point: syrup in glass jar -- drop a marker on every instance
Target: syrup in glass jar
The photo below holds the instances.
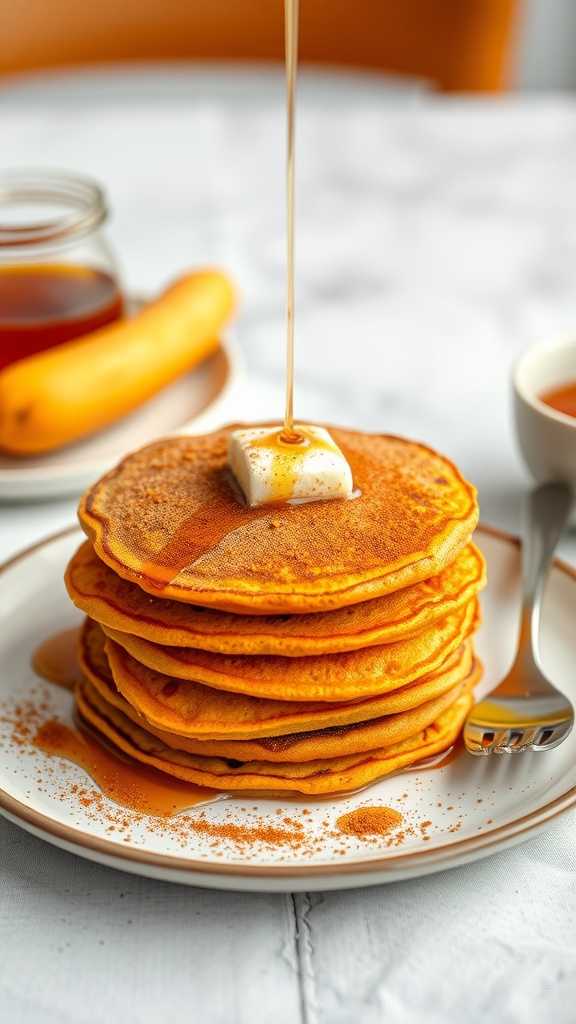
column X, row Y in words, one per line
column 58, row 276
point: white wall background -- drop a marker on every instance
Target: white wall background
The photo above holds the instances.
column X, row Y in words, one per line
column 545, row 57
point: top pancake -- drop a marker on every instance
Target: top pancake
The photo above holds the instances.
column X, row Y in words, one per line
column 169, row 518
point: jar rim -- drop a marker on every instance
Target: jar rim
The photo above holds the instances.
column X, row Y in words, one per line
column 83, row 197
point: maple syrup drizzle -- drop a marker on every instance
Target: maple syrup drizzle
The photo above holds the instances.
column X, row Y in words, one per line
column 200, row 533
column 289, row 435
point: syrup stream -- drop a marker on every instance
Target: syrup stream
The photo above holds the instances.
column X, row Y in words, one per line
column 289, row 435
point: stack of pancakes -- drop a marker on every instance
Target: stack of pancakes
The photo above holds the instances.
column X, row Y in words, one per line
column 309, row 647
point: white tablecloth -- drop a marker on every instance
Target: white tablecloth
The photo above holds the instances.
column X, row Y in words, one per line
column 436, row 238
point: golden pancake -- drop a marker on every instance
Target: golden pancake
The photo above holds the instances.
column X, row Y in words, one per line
column 306, row 746
column 332, row 721
column 124, row 606
column 331, row 775
column 303, row 746
column 169, row 519
column 190, row 709
column 348, row 676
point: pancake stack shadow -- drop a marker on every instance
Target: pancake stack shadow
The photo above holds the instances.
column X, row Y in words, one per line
column 309, row 648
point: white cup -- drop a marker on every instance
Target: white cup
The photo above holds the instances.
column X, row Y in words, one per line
column 547, row 438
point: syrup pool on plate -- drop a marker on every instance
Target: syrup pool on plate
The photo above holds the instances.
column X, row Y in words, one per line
column 127, row 782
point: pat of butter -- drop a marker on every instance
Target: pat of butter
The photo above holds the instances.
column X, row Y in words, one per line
column 270, row 470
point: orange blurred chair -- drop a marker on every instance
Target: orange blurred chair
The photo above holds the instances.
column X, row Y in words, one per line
column 458, row 45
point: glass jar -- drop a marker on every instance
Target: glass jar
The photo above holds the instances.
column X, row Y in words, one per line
column 58, row 277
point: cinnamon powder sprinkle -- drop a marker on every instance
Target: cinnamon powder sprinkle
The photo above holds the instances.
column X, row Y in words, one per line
column 24, row 721
column 247, row 834
column 369, row 821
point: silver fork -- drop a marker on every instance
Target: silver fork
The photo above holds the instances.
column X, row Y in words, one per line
column 525, row 711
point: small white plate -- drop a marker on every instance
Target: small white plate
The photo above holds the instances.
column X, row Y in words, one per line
column 192, row 404
column 470, row 807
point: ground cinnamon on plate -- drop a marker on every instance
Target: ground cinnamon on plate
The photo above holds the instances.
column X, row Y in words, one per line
column 369, row 821
column 261, row 831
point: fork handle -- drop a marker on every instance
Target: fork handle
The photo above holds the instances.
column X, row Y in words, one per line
column 548, row 509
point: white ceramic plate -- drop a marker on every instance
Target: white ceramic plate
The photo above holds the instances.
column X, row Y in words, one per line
column 194, row 403
column 468, row 808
